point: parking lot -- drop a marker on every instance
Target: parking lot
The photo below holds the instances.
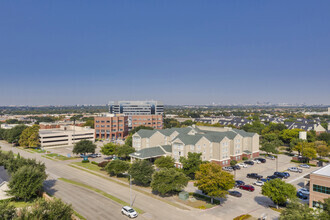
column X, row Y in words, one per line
column 255, row 203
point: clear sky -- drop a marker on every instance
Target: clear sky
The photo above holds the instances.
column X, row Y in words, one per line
column 179, row 52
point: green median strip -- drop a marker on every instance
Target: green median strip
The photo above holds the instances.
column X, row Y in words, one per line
column 81, row 166
column 113, row 198
column 78, row 215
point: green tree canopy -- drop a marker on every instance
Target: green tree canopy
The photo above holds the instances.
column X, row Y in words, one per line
column 109, row 149
column 133, row 131
column 116, row 167
column 287, row 135
column 27, row 182
column 278, row 191
column 7, row 211
column 30, row 137
column 168, row 180
column 213, row 181
column 324, row 137
column 83, row 147
column 12, row 135
column 164, row 162
column 141, row 171
column 42, row 209
column 323, row 150
column 191, row 164
column 309, row 152
column 128, row 140
column 297, row 211
column 125, row 150
column 255, row 127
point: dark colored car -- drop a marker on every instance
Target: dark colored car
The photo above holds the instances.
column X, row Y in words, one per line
column 235, row 193
column 239, row 183
column 286, row 174
column 247, row 187
column 301, row 196
column 280, row 174
column 274, row 177
column 253, row 176
column 236, row 167
column 264, row 180
column 249, row 162
column 262, row 160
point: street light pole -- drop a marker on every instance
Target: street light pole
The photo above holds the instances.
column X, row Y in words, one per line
column 130, row 190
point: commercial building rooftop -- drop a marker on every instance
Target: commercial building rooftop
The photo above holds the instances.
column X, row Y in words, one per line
column 324, row 171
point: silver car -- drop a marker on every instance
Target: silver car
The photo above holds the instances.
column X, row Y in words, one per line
column 295, row 169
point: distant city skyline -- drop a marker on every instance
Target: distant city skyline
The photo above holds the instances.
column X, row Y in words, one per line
column 178, row 52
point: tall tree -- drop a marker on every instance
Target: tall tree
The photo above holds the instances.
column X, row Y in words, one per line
column 287, row 135
column 278, row 191
column 297, row 211
column 125, row 150
column 141, row 171
column 191, row 164
column 30, row 137
column 165, row 162
column 13, row 135
column 168, row 180
column 213, row 181
column 116, row 167
column 83, row 147
column 42, row 209
column 27, row 182
column 109, row 149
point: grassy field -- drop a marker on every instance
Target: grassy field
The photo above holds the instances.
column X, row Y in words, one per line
column 57, row 157
column 102, row 193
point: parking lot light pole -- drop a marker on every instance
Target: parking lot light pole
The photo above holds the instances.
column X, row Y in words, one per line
column 130, row 190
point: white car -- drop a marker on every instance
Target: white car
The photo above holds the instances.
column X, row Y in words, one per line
column 256, row 161
column 295, row 169
column 304, row 191
column 242, row 165
column 304, row 166
column 259, row 183
column 126, row 210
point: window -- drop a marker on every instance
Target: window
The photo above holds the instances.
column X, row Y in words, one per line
column 97, row 121
column 321, row 189
column 317, row 205
column 191, row 147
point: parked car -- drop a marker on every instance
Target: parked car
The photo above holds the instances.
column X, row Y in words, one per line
column 271, row 157
column 286, row 174
column 295, row 169
column 239, row 183
column 227, row 169
column 300, row 195
column 273, row 177
column 253, row 176
column 256, row 161
column 280, row 174
column 249, row 162
column 247, row 187
column 304, row 191
column 236, row 167
column 259, row 183
column 92, row 155
column 128, row 211
column 264, row 180
column 262, row 160
column 242, row 165
column 108, row 158
column 304, row 166
column 235, row 193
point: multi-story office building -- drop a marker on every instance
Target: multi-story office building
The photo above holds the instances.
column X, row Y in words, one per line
column 111, row 126
column 219, row 145
column 146, row 113
column 319, row 186
column 65, row 136
column 136, row 107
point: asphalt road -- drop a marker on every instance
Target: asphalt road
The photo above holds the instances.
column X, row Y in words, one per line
column 154, row 208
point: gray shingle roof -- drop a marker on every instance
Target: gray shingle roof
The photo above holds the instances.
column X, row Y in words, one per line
column 167, row 148
column 3, row 175
column 150, row 152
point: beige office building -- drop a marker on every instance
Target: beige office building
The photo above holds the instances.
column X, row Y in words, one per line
column 319, row 186
column 219, row 145
column 65, row 136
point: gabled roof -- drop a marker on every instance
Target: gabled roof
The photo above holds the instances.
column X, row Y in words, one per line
column 167, row 148
column 150, row 152
column 189, row 139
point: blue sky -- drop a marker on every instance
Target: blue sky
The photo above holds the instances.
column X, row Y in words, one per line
column 180, row 52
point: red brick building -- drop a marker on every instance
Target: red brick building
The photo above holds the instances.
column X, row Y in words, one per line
column 111, row 126
column 153, row 121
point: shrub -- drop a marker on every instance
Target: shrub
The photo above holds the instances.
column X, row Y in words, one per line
column 85, row 161
column 204, row 198
column 245, row 158
column 95, row 163
column 242, row 217
column 324, row 160
column 312, row 165
column 103, row 164
column 233, row 162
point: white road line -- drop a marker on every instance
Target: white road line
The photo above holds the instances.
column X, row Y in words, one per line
column 297, row 178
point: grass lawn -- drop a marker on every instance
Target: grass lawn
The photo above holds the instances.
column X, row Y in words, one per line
column 102, row 193
column 21, row 204
column 195, row 202
column 57, row 157
column 89, row 166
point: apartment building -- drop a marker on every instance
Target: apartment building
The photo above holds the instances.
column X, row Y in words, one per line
column 147, row 113
column 219, row 145
column 65, row 136
column 111, row 126
column 319, row 183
